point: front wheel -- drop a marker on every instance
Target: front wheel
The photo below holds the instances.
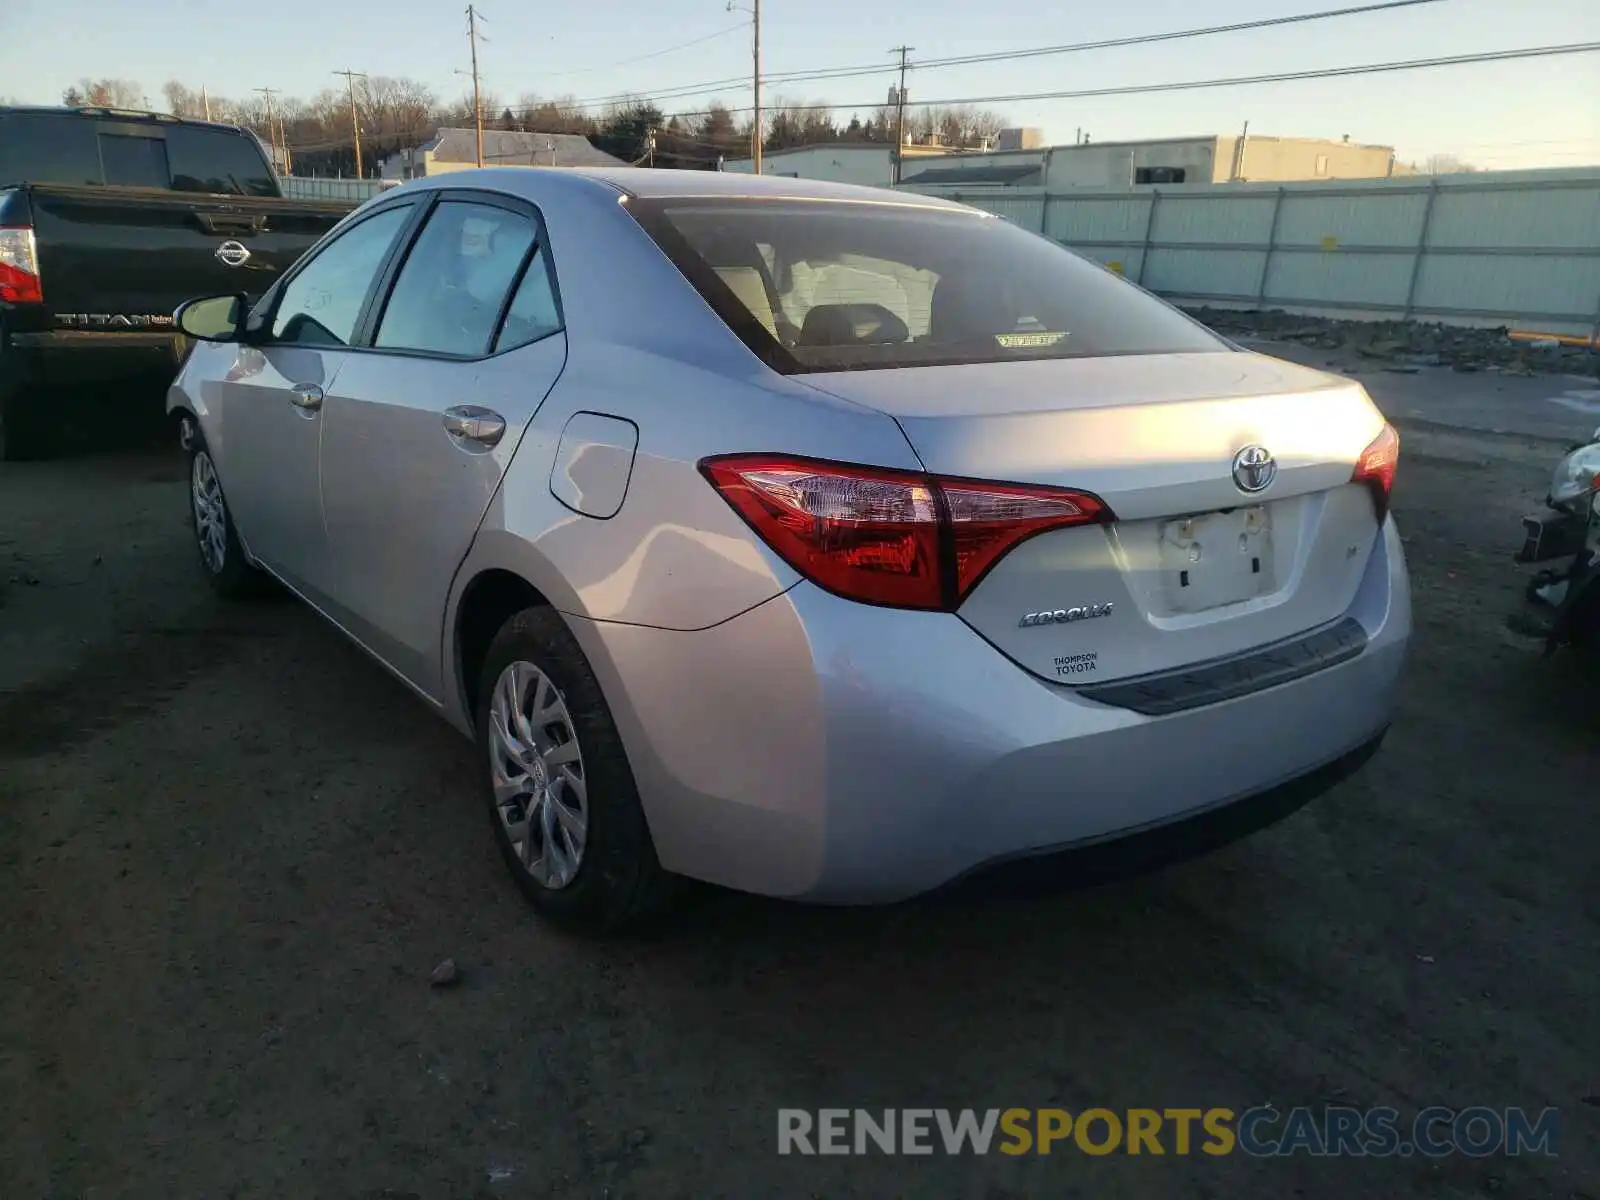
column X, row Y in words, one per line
column 222, row 556
column 561, row 796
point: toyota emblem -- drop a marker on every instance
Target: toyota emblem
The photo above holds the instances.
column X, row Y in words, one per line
column 233, row 254
column 1254, row 469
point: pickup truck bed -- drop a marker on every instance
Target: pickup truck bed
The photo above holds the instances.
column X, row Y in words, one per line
column 109, row 264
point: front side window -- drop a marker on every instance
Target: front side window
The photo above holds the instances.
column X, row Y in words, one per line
column 449, row 295
column 827, row 286
column 321, row 305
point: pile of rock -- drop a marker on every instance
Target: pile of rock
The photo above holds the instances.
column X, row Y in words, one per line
column 1408, row 343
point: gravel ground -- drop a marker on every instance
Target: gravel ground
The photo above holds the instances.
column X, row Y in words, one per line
column 232, row 850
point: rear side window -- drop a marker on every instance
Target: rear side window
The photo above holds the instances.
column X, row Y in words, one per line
column 218, row 160
column 534, row 312
column 825, row 286
column 455, row 281
column 72, row 149
column 48, row 148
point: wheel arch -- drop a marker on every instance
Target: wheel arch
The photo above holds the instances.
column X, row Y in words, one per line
column 489, row 598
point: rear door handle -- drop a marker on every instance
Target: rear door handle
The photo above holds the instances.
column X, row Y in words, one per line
column 469, row 423
column 306, row 396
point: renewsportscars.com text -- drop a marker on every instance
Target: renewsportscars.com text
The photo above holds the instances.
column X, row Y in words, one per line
column 1261, row 1132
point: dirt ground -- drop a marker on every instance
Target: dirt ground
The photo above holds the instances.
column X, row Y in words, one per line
column 232, row 850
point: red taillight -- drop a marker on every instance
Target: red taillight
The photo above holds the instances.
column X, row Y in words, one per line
column 19, row 266
column 1377, row 466
column 897, row 538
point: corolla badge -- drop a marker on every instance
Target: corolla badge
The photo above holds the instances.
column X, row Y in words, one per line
column 233, row 254
column 1065, row 616
column 1254, row 469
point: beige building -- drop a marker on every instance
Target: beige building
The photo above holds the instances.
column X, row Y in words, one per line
column 457, row 150
column 1212, row 159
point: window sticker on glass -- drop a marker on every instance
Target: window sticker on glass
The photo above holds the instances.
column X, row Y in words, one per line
column 476, row 235
column 1027, row 341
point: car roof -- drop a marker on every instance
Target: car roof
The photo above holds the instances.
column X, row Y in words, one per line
column 650, row 184
column 100, row 111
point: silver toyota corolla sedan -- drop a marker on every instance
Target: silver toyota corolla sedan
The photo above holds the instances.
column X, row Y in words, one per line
column 818, row 541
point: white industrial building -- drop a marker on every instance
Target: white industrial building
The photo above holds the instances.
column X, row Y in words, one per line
column 1020, row 161
column 867, row 163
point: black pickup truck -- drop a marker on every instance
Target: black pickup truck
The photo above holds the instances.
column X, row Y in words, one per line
column 108, row 221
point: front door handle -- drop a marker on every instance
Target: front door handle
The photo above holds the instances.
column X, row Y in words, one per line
column 306, row 397
column 469, row 423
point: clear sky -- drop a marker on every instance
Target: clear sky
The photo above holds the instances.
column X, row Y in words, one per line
column 1518, row 114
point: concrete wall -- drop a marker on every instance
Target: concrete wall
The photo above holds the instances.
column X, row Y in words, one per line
column 1515, row 248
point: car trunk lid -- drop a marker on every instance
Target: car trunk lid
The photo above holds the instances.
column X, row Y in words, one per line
column 1194, row 567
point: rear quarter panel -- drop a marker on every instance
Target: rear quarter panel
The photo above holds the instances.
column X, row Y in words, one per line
column 644, row 347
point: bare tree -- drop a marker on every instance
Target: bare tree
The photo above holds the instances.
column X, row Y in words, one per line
column 458, row 115
column 559, row 115
column 1445, row 164
column 182, row 101
column 412, row 110
column 104, row 93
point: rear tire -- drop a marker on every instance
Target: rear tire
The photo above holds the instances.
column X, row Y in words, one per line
column 217, row 544
column 27, row 433
column 567, row 816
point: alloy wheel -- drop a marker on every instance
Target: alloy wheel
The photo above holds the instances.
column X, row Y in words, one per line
column 210, row 513
column 536, row 768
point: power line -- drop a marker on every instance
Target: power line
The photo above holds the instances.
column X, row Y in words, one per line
column 623, row 62
column 830, row 73
column 1415, row 64
column 1529, row 52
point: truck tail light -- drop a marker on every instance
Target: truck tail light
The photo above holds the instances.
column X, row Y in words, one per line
column 1377, row 466
column 903, row 539
column 19, row 266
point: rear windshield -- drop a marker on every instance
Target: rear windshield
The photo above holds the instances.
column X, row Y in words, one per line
column 826, row 286
column 78, row 149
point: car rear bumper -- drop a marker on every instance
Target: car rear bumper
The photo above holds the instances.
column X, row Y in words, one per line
column 835, row 752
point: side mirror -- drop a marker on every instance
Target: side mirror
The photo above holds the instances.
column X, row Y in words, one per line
column 213, row 318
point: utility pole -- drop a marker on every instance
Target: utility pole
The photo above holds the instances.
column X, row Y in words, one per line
column 1238, row 153
column 755, row 55
column 477, row 93
column 272, row 125
column 756, row 78
column 205, row 101
column 900, row 112
column 350, row 78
